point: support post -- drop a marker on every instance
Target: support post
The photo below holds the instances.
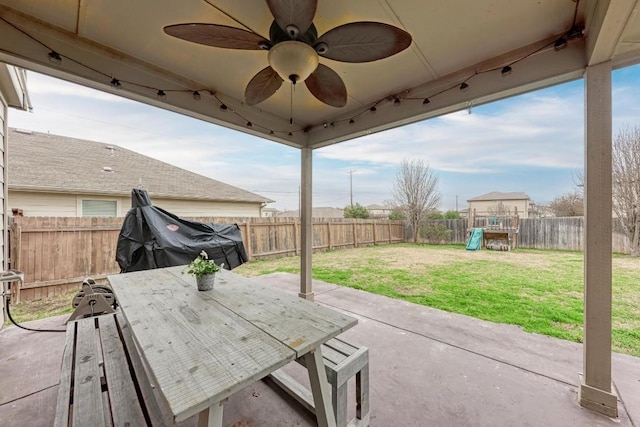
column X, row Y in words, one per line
column 596, row 392
column 306, row 235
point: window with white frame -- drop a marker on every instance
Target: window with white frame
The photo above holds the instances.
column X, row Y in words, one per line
column 99, row 208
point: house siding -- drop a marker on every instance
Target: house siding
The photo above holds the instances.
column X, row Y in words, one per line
column 70, row 205
column 188, row 208
column 3, row 176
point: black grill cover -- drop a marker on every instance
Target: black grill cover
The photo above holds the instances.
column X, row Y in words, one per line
column 154, row 238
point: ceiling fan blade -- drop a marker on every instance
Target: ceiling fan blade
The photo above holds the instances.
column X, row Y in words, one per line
column 216, row 35
column 364, row 42
column 262, row 86
column 326, row 85
column 293, row 12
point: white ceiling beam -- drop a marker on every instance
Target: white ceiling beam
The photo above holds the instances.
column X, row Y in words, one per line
column 605, row 24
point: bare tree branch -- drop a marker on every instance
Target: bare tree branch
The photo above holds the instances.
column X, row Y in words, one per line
column 626, row 184
column 415, row 192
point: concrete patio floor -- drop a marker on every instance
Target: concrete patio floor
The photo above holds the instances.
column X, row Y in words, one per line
column 428, row 368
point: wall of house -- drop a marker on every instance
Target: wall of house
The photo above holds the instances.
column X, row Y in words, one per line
column 70, row 205
column 483, row 207
column 3, row 240
column 193, row 208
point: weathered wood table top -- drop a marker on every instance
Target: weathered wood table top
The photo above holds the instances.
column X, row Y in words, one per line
column 202, row 347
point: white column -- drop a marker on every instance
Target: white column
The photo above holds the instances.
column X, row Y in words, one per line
column 596, row 391
column 306, row 235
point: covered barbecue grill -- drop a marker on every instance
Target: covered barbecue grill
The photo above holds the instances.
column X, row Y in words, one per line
column 154, row 238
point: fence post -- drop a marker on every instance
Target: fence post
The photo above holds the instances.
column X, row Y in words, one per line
column 389, row 224
column 247, row 229
column 329, row 234
column 296, row 232
column 375, row 240
column 355, row 235
column 15, row 247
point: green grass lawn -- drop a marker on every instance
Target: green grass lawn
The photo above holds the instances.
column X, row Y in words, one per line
column 541, row 291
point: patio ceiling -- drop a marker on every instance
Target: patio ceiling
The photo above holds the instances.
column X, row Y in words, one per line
column 453, row 42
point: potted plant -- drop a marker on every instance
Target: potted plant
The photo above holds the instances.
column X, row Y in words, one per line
column 205, row 271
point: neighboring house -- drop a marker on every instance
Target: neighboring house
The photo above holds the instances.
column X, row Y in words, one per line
column 315, row 213
column 53, row 175
column 500, row 204
column 379, row 211
column 270, row 212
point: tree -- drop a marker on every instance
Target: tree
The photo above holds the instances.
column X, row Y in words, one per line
column 356, row 211
column 452, row 214
column 397, row 214
column 626, row 184
column 415, row 192
column 570, row 204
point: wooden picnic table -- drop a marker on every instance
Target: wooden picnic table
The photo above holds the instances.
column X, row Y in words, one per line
column 202, row 347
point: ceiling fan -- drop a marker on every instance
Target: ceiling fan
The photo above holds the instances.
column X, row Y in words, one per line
column 294, row 49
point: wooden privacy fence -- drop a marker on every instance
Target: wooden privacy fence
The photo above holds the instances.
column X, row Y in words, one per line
column 57, row 253
column 545, row 233
column 565, row 234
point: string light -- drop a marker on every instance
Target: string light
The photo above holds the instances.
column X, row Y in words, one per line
column 561, row 43
column 55, row 57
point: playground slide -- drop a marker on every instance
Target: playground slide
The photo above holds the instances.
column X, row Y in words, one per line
column 475, row 240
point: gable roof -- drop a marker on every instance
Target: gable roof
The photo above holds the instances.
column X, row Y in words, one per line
column 53, row 163
column 497, row 195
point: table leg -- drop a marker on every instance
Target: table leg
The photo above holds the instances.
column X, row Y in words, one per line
column 211, row 417
column 320, row 389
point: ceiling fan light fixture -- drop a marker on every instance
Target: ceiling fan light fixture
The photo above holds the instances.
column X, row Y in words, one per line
column 293, row 61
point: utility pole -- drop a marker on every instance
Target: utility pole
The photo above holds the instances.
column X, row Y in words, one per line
column 457, row 203
column 351, row 171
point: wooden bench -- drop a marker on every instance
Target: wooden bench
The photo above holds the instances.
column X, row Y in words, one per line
column 342, row 361
column 102, row 380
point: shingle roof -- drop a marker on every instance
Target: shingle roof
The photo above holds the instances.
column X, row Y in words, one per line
column 45, row 162
column 377, row 207
column 497, row 195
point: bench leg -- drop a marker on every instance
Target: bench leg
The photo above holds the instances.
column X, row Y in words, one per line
column 362, row 394
column 211, row 417
column 339, row 401
column 319, row 388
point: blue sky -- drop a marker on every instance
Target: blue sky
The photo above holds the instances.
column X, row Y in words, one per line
column 531, row 143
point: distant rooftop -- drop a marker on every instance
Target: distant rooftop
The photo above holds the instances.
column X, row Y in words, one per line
column 497, row 195
column 316, row 213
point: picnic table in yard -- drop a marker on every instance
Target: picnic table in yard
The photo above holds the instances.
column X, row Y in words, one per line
column 202, row 347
